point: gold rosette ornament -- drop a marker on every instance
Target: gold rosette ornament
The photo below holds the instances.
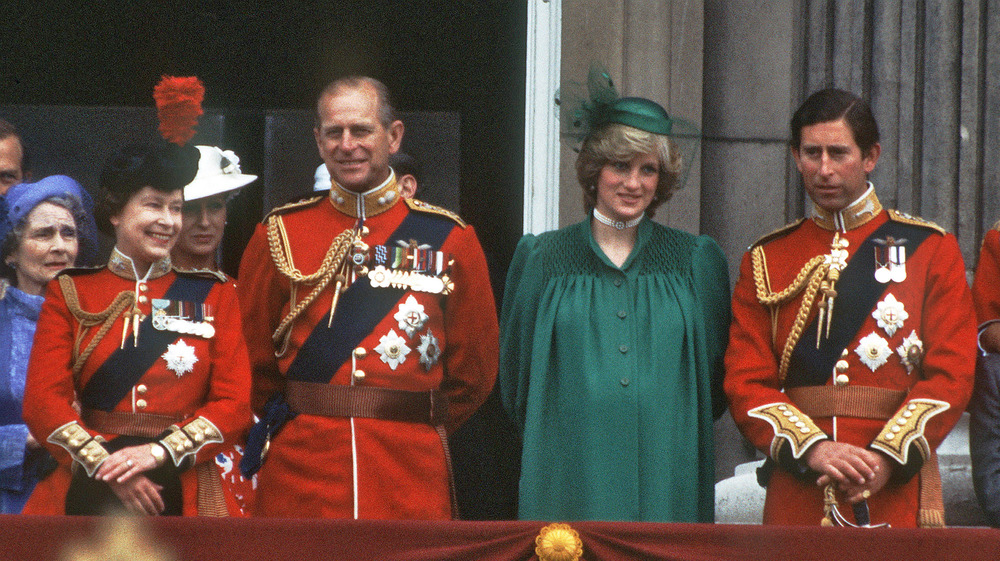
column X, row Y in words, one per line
column 558, row 542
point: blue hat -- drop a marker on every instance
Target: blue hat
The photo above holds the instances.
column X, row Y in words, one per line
column 22, row 198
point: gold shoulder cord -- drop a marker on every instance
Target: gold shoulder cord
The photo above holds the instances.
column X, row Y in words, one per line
column 86, row 320
column 810, row 278
column 281, row 254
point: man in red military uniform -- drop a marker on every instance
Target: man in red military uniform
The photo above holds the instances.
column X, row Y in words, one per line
column 852, row 348
column 372, row 331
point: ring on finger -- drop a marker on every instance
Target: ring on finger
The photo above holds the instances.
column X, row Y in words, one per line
column 129, row 462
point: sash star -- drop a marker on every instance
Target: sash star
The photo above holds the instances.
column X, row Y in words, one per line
column 873, row 350
column 392, row 349
column 429, row 349
column 911, row 351
column 180, row 357
column 411, row 316
column 890, row 314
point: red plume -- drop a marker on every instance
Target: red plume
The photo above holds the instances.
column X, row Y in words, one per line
column 178, row 102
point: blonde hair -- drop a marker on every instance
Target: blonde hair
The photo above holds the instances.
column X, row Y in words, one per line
column 617, row 142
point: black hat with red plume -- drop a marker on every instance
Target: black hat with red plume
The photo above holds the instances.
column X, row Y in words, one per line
column 165, row 165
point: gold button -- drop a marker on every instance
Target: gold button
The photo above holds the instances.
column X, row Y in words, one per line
column 142, row 287
column 360, row 352
column 845, row 353
column 143, row 299
column 365, row 230
column 359, row 374
column 842, row 366
column 141, row 404
column 842, row 379
column 141, row 388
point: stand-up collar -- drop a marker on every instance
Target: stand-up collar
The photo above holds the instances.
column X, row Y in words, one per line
column 122, row 265
column 853, row 215
column 369, row 203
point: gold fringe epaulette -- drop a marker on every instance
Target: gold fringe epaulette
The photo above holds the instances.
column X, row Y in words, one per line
column 421, row 206
column 300, row 203
column 784, row 230
column 203, row 273
column 900, row 216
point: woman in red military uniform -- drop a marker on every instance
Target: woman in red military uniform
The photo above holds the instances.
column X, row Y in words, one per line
column 140, row 373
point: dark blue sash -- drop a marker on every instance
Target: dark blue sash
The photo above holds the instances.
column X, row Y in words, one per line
column 360, row 308
column 115, row 378
column 859, row 292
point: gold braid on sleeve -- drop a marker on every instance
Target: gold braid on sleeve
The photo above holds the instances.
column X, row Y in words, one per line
column 281, row 254
column 86, row 320
column 809, row 278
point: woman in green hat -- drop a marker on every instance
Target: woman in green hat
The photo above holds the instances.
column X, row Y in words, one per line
column 613, row 332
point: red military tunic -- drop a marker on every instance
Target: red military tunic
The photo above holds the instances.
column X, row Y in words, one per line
column 931, row 306
column 346, row 467
column 209, row 395
column 985, row 291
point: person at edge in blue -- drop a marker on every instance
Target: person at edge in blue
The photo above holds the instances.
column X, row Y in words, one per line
column 613, row 332
column 45, row 227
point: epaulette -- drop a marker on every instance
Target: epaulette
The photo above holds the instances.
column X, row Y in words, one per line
column 421, row 206
column 301, row 203
column 784, row 230
column 203, row 273
column 900, row 216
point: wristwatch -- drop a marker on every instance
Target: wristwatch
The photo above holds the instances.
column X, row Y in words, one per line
column 158, row 453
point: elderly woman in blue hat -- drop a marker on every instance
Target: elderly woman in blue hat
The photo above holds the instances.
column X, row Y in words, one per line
column 613, row 332
column 44, row 228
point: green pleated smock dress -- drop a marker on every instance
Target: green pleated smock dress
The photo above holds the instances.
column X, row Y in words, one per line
column 614, row 375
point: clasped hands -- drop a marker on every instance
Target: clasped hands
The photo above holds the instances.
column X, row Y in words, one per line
column 123, row 472
column 852, row 469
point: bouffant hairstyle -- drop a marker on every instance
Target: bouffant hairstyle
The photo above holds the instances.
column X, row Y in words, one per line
column 616, row 142
column 162, row 166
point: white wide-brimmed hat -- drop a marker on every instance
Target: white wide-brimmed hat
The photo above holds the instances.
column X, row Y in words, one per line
column 218, row 172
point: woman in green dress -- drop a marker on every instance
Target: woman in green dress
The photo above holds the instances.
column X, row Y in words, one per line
column 612, row 337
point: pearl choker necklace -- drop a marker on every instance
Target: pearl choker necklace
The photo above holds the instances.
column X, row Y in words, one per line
column 617, row 224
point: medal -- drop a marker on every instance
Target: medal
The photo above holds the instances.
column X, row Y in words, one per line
column 186, row 318
column 890, row 260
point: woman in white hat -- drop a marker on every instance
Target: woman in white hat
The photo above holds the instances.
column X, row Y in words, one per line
column 204, row 211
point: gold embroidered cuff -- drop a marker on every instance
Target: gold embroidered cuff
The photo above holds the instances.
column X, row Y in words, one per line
column 81, row 445
column 187, row 440
column 907, row 427
column 789, row 424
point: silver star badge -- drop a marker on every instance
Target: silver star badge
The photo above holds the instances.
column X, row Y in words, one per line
column 873, row 350
column 411, row 316
column 180, row 357
column 890, row 314
column 911, row 351
column 429, row 349
column 392, row 349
